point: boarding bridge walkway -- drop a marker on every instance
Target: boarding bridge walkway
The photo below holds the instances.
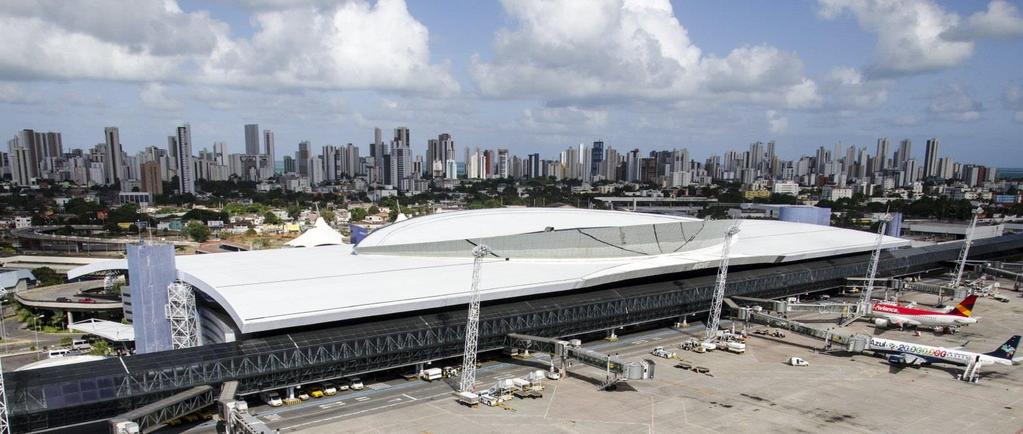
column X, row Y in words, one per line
column 616, row 369
column 154, row 415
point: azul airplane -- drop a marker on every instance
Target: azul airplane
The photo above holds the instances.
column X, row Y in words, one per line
column 910, row 354
column 886, row 314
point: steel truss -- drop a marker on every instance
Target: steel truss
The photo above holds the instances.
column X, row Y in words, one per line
column 405, row 342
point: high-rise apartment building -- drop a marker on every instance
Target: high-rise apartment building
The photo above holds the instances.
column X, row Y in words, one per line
column 252, row 139
column 112, row 158
column 268, row 141
column 152, row 182
column 185, row 169
column 931, row 158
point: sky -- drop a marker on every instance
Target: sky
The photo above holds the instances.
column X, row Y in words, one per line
column 527, row 75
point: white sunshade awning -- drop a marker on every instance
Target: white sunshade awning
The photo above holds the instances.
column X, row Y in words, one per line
column 109, row 330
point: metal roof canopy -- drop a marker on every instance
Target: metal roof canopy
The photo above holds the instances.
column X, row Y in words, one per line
column 109, row 330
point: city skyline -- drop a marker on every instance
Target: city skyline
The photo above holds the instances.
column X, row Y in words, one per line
column 718, row 79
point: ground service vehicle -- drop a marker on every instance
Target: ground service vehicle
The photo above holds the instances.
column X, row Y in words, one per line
column 432, row 374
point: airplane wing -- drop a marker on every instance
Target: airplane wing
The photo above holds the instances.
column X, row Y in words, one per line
column 906, row 359
column 961, row 347
column 913, row 360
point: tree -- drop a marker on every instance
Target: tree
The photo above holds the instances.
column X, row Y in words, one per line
column 358, row 214
column 328, row 215
column 101, row 348
column 271, row 218
column 197, row 231
column 374, row 210
column 45, row 276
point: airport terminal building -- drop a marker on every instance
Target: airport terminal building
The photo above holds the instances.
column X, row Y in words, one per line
column 277, row 318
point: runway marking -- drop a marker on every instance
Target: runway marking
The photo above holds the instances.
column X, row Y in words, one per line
column 272, row 417
column 354, row 413
column 363, row 398
column 407, row 396
column 639, row 342
column 378, row 386
column 332, row 405
column 394, row 400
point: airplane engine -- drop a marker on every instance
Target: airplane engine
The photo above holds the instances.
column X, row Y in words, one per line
column 896, row 359
column 880, row 322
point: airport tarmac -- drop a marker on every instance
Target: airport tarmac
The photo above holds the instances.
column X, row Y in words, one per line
column 752, row 392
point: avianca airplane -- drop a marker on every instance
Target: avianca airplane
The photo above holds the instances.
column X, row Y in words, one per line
column 886, row 314
column 910, row 354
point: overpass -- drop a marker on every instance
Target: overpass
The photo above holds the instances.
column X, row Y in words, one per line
column 51, row 397
column 38, row 237
column 68, row 297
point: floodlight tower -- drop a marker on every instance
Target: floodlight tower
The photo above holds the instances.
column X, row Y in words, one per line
column 719, row 288
column 5, row 421
column 965, row 252
column 875, row 258
column 184, row 319
column 472, row 326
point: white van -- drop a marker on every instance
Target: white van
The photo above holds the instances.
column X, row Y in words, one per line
column 80, row 345
column 356, row 383
column 59, row 353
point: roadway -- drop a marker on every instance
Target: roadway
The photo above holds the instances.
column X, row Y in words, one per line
column 47, row 297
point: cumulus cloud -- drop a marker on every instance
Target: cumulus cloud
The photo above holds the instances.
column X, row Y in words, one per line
column 846, row 89
column 563, row 119
column 1000, row 20
column 349, row 45
column 954, row 103
column 615, row 51
column 154, row 95
column 909, row 34
column 1014, row 100
column 776, row 123
column 354, row 45
column 11, row 93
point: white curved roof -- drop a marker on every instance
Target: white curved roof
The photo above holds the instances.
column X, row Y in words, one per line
column 503, row 221
column 321, row 234
column 272, row 289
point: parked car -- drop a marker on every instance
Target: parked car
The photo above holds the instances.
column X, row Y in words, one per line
column 87, row 300
column 357, row 384
column 273, row 399
column 300, row 393
column 344, row 385
column 329, row 389
column 63, row 300
column 316, row 392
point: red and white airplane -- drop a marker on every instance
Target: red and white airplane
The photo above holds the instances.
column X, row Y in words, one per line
column 890, row 314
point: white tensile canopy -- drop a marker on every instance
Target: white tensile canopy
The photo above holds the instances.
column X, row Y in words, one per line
column 321, row 234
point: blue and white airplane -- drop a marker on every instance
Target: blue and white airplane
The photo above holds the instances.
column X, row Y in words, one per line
column 910, row 354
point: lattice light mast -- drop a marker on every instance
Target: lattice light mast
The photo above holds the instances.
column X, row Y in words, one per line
column 875, row 258
column 965, row 252
column 719, row 288
column 5, row 421
column 472, row 326
column 184, row 319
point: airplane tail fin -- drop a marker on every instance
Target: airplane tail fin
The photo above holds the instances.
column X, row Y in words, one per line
column 1006, row 350
column 965, row 307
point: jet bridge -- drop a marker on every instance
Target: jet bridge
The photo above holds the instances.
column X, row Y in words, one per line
column 614, row 367
column 852, row 343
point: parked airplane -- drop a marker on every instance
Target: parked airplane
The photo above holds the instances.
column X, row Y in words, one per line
column 910, row 354
column 886, row 314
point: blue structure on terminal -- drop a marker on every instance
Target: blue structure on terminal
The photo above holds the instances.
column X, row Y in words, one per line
column 151, row 269
column 805, row 214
